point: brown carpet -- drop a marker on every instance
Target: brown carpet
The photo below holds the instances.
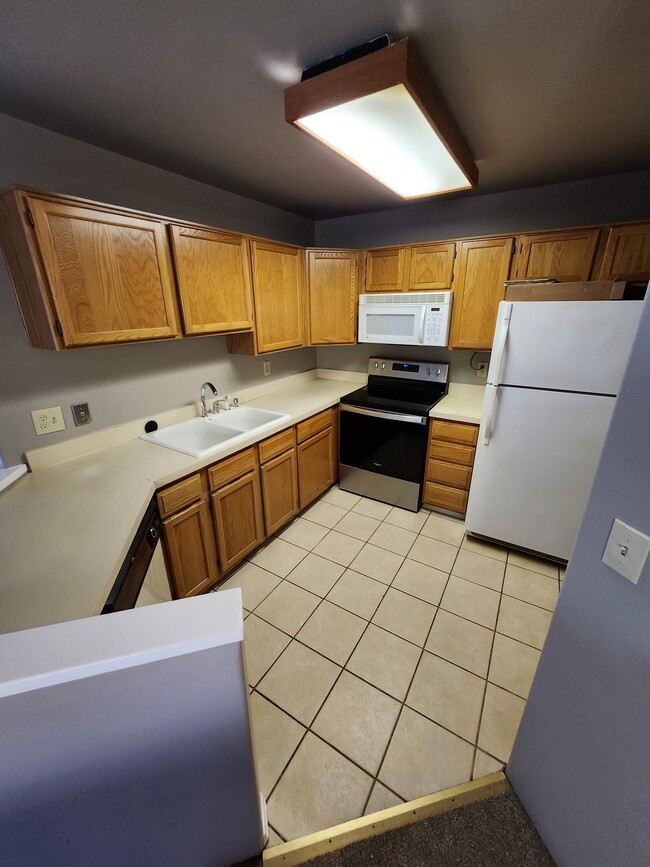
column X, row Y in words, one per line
column 492, row 833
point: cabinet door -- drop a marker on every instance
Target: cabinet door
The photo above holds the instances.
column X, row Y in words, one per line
column 478, row 288
column 190, row 549
column 566, row 256
column 386, row 270
column 431, row 267
column 333, row 305
column 213, row 276
column 277, row 288
column 109, row 274
column 627, row 254
column 237, row 512
column 279, row 490
column 316, row 471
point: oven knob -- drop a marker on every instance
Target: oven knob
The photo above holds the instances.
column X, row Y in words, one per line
column 376, row 364
column 383, row 366
column 438, row 371
column 429, row 371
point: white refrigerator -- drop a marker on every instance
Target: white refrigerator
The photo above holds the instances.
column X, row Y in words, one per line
column 555, row 371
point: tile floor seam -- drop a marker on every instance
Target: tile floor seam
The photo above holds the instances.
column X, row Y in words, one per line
column 534, row 604
column 525, row 643
column 480, row 719
column 408, row 689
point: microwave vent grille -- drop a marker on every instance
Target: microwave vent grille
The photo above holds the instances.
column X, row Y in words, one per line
column 407, row 298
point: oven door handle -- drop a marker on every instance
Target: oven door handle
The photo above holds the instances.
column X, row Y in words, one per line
column 390, row 416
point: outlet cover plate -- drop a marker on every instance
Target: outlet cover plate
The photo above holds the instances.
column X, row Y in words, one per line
column 81, row 414
column 48, row 420
column 626, row 550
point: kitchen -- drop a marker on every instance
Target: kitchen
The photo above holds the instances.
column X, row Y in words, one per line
column 143, row 380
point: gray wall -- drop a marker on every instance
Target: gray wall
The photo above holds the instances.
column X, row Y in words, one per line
column 581, row 761
column 120, row 382
column 356, row 358
column 599, row 200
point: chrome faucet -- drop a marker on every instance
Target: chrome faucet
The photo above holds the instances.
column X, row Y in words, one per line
column 204, row 411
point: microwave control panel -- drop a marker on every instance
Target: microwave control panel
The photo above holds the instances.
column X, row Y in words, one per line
column 436, row 324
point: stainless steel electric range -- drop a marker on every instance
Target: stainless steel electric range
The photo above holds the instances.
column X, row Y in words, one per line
column 384, row 430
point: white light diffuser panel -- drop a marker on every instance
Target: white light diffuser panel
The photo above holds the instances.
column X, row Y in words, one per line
column 387, row 136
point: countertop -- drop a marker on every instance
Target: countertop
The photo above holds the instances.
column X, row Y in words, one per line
column 65, row 530
column 462, row 403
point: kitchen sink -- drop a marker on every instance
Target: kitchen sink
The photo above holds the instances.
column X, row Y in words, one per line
column 200, row 436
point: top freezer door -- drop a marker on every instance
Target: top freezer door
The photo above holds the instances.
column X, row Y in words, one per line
column 577, row 346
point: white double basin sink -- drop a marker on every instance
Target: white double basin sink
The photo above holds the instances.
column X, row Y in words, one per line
column 199, row 437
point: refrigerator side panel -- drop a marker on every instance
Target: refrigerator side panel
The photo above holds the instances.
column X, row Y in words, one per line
column 565, row 345
column 531, row 481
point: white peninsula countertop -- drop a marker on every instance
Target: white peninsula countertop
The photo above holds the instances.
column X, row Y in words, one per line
column 66, row 528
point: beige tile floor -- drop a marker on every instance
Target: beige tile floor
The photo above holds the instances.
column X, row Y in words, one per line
column 389, row 656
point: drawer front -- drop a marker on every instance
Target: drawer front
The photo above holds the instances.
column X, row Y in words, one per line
column 313, row 425
column 455, row 431
column 232, row 468
column 452, row 452
column 178, row 496
column 455, row 475
column 274, row 446
column 452, row 499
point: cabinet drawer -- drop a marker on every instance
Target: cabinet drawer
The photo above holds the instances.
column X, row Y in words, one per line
column 456, row 431
column 274, row 446
column 449, row 474
column 456, row 454
column 179, row 495
column 313, row 425
column 232, row 468
column 452, row 499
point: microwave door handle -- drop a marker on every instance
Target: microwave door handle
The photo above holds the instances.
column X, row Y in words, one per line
column 423, row 320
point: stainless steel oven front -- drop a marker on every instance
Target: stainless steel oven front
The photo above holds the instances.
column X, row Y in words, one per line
column 382, row 454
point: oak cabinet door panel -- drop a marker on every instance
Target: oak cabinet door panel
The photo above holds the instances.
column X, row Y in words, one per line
column 190, row 547
column 564, row 256
column 316, row 470
column 333, row 305
column 109, row 274
column 237, row 511
column 213, row 275
column 279, row 490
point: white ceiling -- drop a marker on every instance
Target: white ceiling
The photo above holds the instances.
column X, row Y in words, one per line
column 541, row 91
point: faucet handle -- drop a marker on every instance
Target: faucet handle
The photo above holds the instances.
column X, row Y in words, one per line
column 235, row 401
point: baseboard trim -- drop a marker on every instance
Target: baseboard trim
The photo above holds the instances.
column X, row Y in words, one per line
column 301, row 850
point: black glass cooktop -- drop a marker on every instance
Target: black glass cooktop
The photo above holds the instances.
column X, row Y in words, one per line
column 406, row 400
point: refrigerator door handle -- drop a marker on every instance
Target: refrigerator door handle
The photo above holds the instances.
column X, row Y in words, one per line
column 489, row 410
column 500, row 348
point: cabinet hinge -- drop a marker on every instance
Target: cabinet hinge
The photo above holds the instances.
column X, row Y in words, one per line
column 30, row 218
column 59, row 328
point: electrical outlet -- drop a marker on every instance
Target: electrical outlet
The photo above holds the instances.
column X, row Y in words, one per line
column 482, row 369
column 267, row 368
column 48, row 420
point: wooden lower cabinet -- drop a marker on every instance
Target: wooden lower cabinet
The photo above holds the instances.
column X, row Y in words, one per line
column 191, row 554
column 237, row 513
column 316, row 465
column 279, row 490
column 449, row 465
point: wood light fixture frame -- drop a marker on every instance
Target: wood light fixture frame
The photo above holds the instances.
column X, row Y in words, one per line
column 395, row 64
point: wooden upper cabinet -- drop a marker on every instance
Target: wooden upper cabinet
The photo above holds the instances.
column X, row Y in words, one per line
column 567, row 256
column 332, row 277
column 278, row 286
column 431, row 267
column 108, row 273
column 213, row 279
column 481, row 271
column 627, row 254
column 387, row 270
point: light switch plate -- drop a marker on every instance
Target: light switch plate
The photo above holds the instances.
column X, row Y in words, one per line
column 626, row 550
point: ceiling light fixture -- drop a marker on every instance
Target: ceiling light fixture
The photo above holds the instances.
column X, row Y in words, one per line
column 383, row 113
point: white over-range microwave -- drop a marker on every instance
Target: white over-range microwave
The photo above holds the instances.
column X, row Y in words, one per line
column 405, row 318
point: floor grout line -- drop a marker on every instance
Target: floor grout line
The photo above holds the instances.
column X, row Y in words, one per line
column 367, row 621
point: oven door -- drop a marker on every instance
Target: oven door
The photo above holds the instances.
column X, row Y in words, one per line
column 397, row 324
column 382, row 455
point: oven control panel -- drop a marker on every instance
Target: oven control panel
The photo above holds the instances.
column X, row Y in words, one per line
column 427, row 371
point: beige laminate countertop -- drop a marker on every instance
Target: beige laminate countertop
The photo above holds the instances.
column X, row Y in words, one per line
column 65, row 530
column 462, row 403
